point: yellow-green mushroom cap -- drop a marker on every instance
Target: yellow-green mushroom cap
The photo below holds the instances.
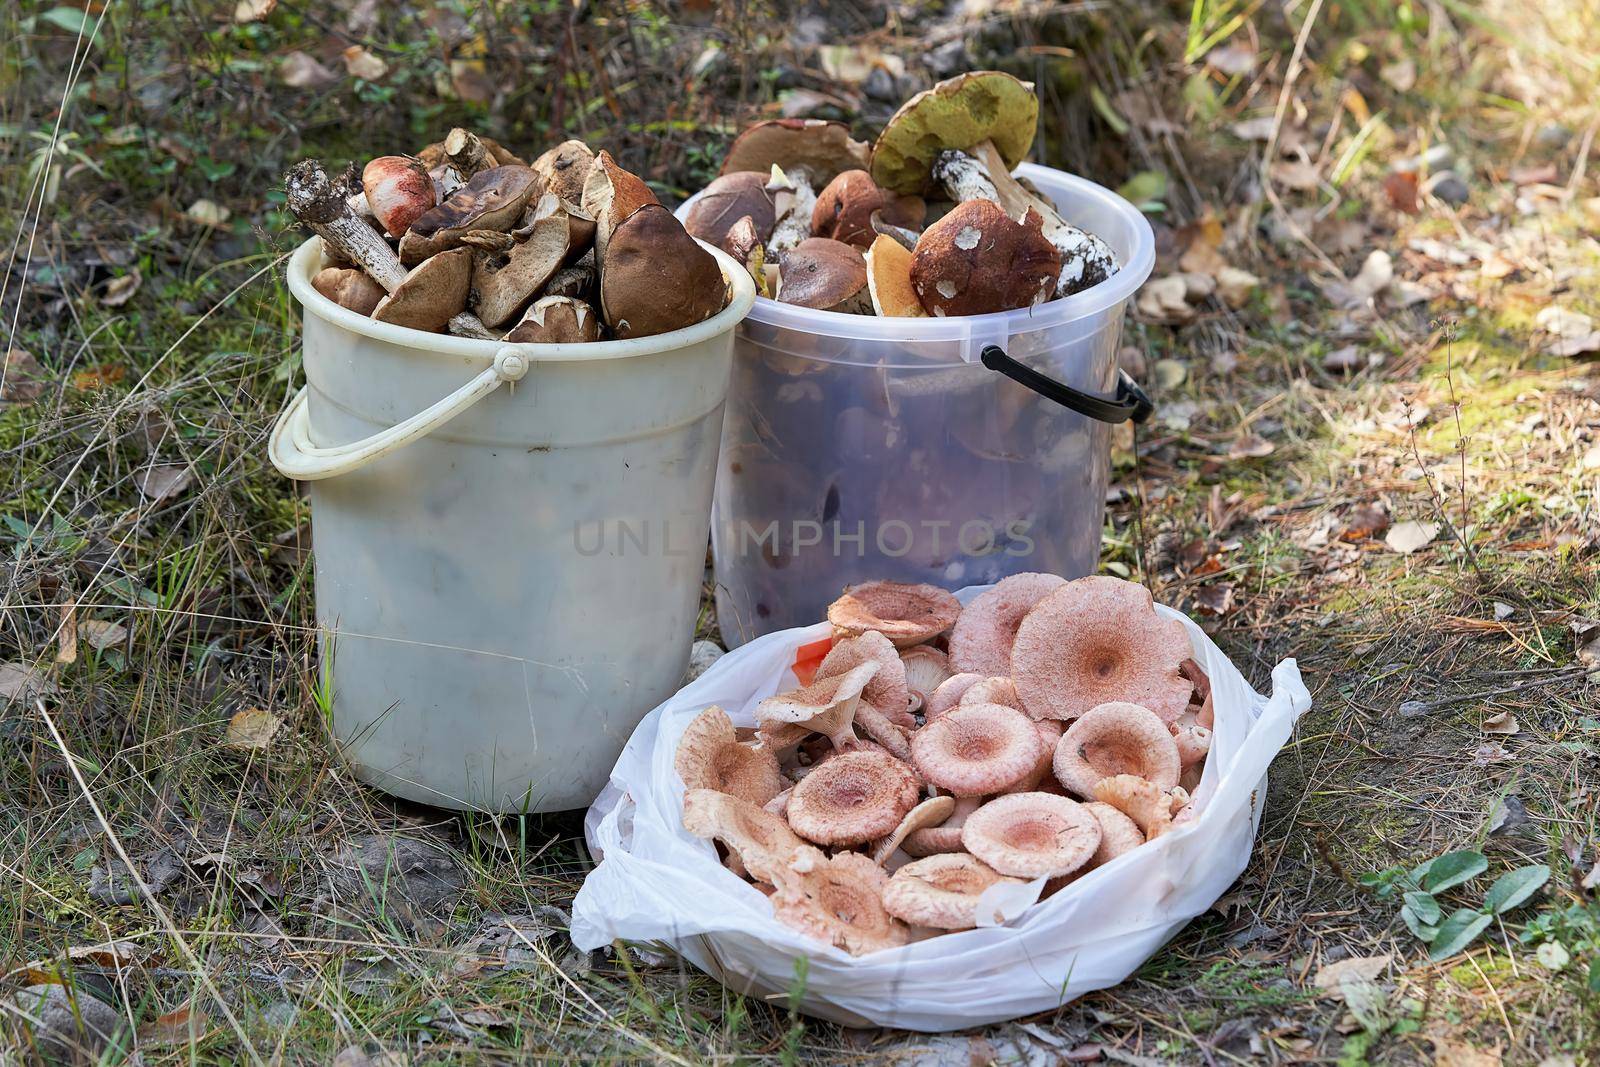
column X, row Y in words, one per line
column 958, row 113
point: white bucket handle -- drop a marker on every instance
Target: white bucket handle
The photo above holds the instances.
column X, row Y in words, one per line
column 296, row 456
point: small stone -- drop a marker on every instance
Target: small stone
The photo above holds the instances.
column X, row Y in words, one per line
column 701, row 656
column 67, row 1027
column 1346, row 360
column 1169, row 373
column 880, row 86
column 1449, row 187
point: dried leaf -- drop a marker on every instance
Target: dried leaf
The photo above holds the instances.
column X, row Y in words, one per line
column 1165, row 299
column 1346, row 360
column 1296, row 174
column 1448, row 1052
column 1233, row 59
column 163, row 481
column 360, row 63
column 300, row 71
column 67, row 634
column 1234, row 286
column 102, row 635
column 1503, row 723
column 1330, row 977
column 1407, row 537
column 1400, row 190
column 1215, row 599
column 185, row 1026
column 1250, row 446
column 18, row 682
column 1376, row 272
column 98, row 376
column 207, row 213
column 1364, row 522
column 253, row 10
column 119, row 291
column 1258, row 128
column 1489, row 752
column 1399, row 76
column 1586, row 636
column 252, row 729
column 22, row 380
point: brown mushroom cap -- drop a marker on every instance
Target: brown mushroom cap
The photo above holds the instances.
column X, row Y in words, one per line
column 889, row 280
column 556, row 320
column 610, row 195
column 1116, row 738
column 826, row 706
column 504, row 283
column 958, row 113
column 823, row 274
column 398, row 191
column 840, row 902
column 1032, row 835
column 844, row 209
column 977, row 261
column 654, row 277
column 976, row 749
column 853, row 797
column 431, row 292
column 492, row 200
column 1099, row 639
column 983, row 635
column 926, row 669
column 906, row 614
column 931, row 812
column 565, row 168
column 766, row 846
column 941, row 891
column 730, row 198
column 1147, row 804
column 710, row 757
column 887, row 691
column 816, row 147
column 949, row 694
column 349, row 287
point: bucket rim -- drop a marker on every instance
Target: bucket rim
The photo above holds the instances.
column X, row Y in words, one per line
column 307, row 259
column 1108, row 295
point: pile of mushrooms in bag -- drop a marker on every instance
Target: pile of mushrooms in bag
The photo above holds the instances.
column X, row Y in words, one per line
column 466, row 237
column 933, row 751
column 927, row 221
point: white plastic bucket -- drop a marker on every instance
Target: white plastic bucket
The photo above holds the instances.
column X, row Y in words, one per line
column 507, row 579
column 858, row 447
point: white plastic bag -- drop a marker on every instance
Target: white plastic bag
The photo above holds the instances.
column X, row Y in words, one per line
column 655, row 882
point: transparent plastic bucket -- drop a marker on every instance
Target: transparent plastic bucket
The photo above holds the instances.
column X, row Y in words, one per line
column 856, row 447
column 509, row 543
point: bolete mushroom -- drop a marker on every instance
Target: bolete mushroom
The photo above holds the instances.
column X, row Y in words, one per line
column 826, row 275
column 349, row 287
column 565, row 169
column 1097, row 639
column 654, row 277
column 965, row 135
column 800, row 156
column 982, row 638
column 906, row 614
column 846, row 205
column 976, row 261
column 852, row 798
column 611, row 195
column 941, row 891
column 1116, row 738
column 710, row 756
column 431, row 294
column 556, row 320
column 324, row 208
column 398, row 191
column 976, row 749
column 492, row 199
column 503, row 282
column 889, row 280
column 728, row 200
column 826, row 706
column 1032, row 835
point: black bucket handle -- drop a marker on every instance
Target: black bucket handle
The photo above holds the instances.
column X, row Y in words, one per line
column 1131, row 402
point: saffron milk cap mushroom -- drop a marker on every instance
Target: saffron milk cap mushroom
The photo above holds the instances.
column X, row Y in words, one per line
column 827, row 706
column 1116, row 738
column 889, row 280
column 926, row 669
column 931, row 812
column 1032, row 835
column 1098, row 639
column 977, row 261
column 949, row 694
column 654, row 277
column 887, row 690
column 709, row 756
column 941, row 891
column 1147, row 804
column 946, row 836
column 840, row 902
column 976, row 749
column 906, row 614
column 853, row 797
column 492, row 200
column 398, row 190
column 1118, row 833
column 983, row 635
column 993, row 691
column 769, row 850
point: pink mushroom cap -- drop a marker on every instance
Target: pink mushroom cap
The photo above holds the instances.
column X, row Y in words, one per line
column 983, row 635
column 1032, row 835
column 1116, row 738
column 976, row 749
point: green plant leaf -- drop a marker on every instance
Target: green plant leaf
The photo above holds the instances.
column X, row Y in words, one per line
column 1423, row 931
column 1594, row 976
column 1366, row 1001
column 1457, row 932
column 1423, row 906
column 1514, row 887
column 1450, row 869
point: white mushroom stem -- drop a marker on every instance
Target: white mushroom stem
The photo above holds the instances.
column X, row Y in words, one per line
column 466, row 152
column 325, row 210
column 982, row 175
column 794, row 224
